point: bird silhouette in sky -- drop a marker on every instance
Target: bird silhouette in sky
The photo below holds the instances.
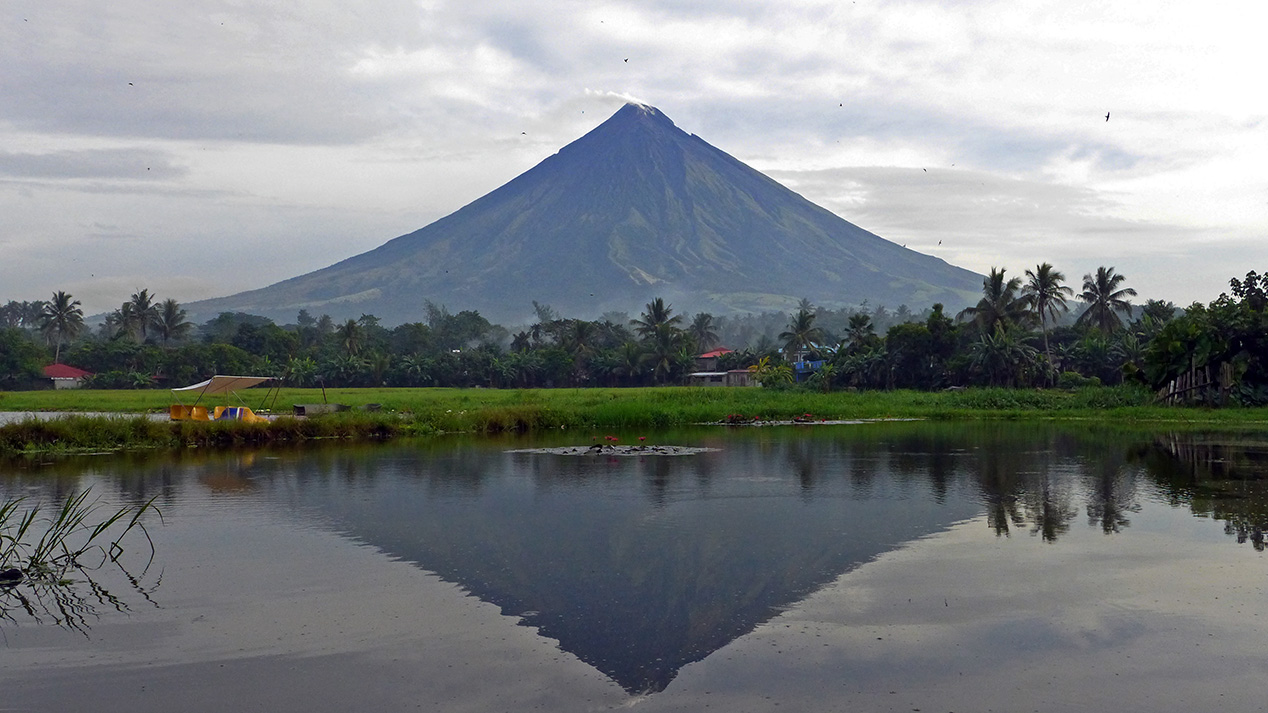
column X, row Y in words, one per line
column 1107, row 116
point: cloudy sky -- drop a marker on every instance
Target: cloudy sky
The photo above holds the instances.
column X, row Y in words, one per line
column 210, row 146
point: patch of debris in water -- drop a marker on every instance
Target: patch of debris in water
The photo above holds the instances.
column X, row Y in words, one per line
column 607, row 449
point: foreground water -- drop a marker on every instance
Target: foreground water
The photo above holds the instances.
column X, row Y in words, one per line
column 899, row 567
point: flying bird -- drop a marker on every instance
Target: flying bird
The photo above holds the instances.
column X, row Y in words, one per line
column 1107, row 116
column 627, row 59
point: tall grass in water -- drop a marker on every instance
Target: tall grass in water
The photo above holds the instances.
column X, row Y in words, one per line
column 74, row 433
column 47, row 546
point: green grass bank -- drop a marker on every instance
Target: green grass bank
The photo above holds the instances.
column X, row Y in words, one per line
column 432, row 411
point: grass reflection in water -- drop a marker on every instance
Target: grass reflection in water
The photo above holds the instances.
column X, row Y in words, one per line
column 48, row 561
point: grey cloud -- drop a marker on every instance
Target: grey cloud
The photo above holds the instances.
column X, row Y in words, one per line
column 978, row 220
column 211, row 72
column 848, row 118
column 944, row 200
column 134, row 164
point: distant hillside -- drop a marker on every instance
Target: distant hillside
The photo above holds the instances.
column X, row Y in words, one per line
column 635, row 209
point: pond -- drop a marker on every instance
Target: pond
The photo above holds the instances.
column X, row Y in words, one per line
column 872, row 567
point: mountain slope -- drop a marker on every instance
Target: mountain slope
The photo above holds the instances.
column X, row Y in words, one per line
column 634, row 209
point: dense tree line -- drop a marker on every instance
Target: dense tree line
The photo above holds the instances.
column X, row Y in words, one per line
column 1025, row 331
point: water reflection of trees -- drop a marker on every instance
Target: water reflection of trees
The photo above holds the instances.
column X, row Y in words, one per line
column 641, row 565
column 1111, row 492
column 1222, row 476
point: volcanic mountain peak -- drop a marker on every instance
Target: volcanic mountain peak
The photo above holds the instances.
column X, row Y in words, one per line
column 635, row 111
column 634, row 209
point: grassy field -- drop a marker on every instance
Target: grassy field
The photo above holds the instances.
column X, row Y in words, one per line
column 430, row 411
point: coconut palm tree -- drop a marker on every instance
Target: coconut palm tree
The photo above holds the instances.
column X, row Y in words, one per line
column 1000, row 306
column 351, row 337
column 123, row 322
column 1105, row 299
column 629, row 363
column 144, row 313
column 171, row 323
column 860, row 332
column 62, row 319
column 656, row 315
column 579, row 338
column 662, row 350
column 704, row 331
column 1045, row 295
column 801, row 333
column 26, row 315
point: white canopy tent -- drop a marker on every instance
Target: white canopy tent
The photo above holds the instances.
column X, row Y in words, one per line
column 224, row 384
column 220, row 384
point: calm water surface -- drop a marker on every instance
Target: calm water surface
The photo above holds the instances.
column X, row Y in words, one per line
column 872, row 567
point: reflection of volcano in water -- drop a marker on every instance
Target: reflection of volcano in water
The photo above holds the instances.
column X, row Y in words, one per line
column 640, row 567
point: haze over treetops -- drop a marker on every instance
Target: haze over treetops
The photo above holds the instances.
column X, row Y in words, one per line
column 635, row 209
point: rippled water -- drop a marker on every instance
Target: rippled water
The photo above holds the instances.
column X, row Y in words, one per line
column 892, row 566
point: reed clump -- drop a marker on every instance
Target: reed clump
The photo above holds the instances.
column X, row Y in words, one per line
column 77, row 434
column 84, row 433
column 79, row 534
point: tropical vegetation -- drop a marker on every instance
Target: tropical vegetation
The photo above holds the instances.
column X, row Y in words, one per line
column 1034, row 331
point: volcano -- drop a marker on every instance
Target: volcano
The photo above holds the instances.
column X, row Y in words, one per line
column 635, row 209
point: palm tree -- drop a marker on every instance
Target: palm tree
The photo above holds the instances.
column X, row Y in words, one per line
column 860, row 331
column 1105, row 299
column 656, row 315
column 122, row 322
column 379, row 364
column 171, row 322
column 629, row 363
column 662, row 349
column 144, row 313
column 579, row 339
column 62, row 319
column 703, row 331
column 801, row 333
column 351, row 335
column 1044, row 293
column 1000, row 304
column 25, row 315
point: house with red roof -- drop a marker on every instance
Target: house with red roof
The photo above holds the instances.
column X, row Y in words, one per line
column 709, row 360
column 65, row 376
column 707, row 373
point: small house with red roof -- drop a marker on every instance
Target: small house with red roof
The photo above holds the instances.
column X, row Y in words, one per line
column 707, row 373
column 709, row 360
column 65, row 376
